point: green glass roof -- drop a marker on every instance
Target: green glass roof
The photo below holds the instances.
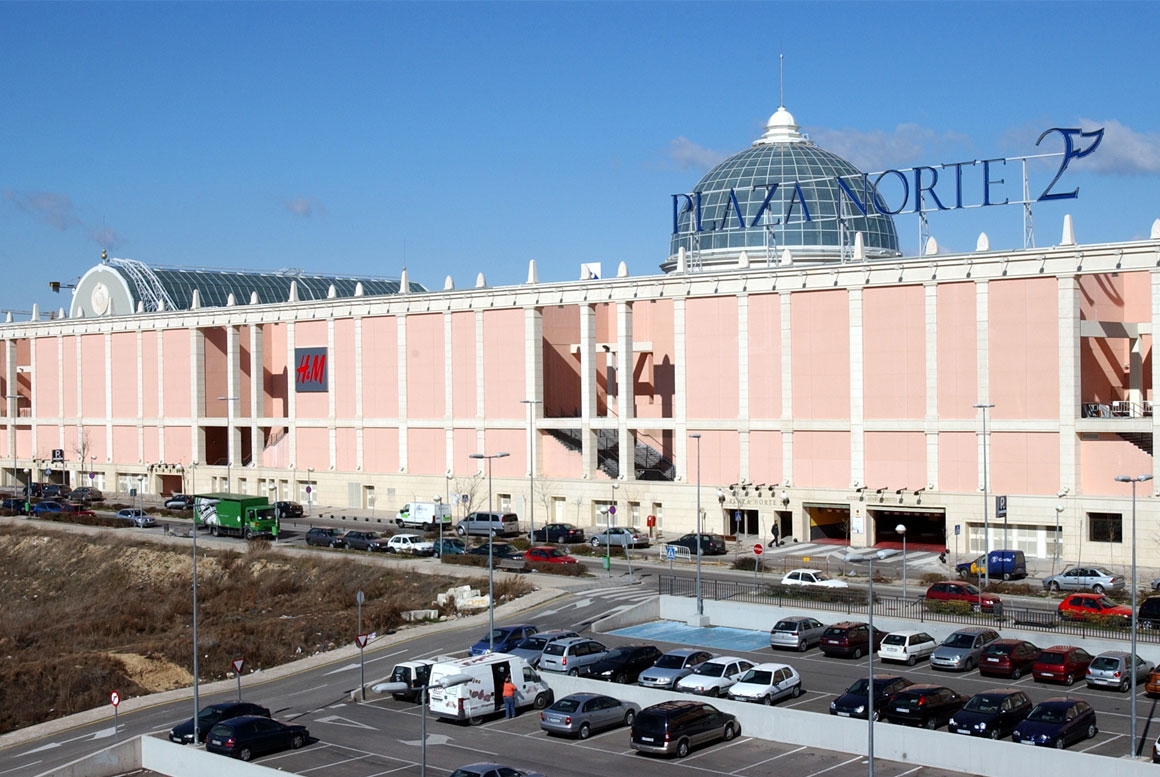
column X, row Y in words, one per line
column 215, row 286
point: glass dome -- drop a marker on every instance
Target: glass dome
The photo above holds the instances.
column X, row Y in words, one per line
column 807, row 212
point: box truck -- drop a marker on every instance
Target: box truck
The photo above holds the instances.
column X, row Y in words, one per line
column 483, row 694
column 240, row 515
column 423, row 515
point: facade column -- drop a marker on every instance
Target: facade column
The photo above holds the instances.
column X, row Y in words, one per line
column 139, row 347
column 401, row 378
column 159, row 355
column 233, row 389
column 331, row 400
column 533, row 381
column 196, row 395
column 1070, row 399
column 787, row 393
column 625, row 394
column 930, row 423
column 12, row 384
column 857, row 390
column 449, row 394
column 983, row 371
column 1155, row 374
column 744, row 467
column 686, row 466
column 292, row 409
column 359, row 420
column 588, row 452
column 257, row 394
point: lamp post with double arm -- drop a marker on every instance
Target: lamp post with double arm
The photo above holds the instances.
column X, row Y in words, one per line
column 447, row 681
column 490, row 552
column 1133, row 479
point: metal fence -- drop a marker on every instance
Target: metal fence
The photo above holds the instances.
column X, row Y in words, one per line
column 854, row 602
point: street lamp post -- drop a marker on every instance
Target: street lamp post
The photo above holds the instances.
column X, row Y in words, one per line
column 986, row 507
column 531, row 403
column 1132, row 661
column 901, row 529
column 490, row 553
column 196, row 703
column 447, row 681
column 700, row 602
column 439, row 518
column 869, row 561
column 309, row 489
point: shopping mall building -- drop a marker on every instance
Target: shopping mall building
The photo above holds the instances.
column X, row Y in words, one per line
column 789, row 368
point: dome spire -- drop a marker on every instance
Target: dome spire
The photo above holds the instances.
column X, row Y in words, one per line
column 781, row 128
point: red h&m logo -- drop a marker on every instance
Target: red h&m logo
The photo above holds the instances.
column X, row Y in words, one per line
column 310, row 373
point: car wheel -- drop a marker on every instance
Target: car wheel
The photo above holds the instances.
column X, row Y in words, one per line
column 767, row 700
column 297, row 741
column 714, row 692
column 573, row 672
column 629, row 718
column 213, row 530
column 730, row 732
column 621, row 678
column 461, row 531
column 911, row 660
column 245, row 754
column 1092, row 731
column 1053, row 587
column 797, row 691
column 969, row 665
column 595, row 542
column 585, row 731
column 1124, row 685
column 1006, row 575
column 857, row 653
column 682, row 748
column 1016, row 673
column 249, row 534
column 1069, row 679
column 475, row 720
column 994, row 733
column 877, row 716
column 1099, row 589
column 803, row 646
column 930, row 723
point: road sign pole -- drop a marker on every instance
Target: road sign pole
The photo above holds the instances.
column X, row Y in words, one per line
column 758, row 549
column 237, row 664
column 115, row 699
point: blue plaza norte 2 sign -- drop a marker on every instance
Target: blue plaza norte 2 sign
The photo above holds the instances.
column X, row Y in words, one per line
column 920, row 188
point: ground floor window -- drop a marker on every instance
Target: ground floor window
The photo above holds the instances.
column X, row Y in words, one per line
column 1105, row 527
column 1034, row 541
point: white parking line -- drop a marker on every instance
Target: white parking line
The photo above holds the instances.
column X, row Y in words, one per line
column 836, row 766
column 18, row 768
column 1094, row 745
column 718, row 748
column 909, row 771
column 767, row 760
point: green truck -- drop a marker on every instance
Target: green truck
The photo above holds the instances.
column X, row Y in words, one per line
column 241, row 515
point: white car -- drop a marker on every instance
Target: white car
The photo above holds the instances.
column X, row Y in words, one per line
column 715, row 676
column 766, row 683
column 410, row 543
column 812, row 578
column 906, row 646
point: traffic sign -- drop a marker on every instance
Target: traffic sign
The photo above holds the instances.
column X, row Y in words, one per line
column 958, row 528
column 758, row 549
column 309, row 489
column 670, row 552
column 237, row 664
column 612, row 509
column 115, row 698
column 361, row 639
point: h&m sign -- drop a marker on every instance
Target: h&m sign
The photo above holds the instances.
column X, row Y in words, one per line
column 310, row 369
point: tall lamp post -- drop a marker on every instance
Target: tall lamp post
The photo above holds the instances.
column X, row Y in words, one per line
column 490, row 553
column 229, row 435
column 986, row 507
column 531, row 403
column 869, row 561
column 309, row 489
column 901, row 529
column 700, row 602
column 439, row 517
column 1133, row 480
column 446, row 681
column 196, row 702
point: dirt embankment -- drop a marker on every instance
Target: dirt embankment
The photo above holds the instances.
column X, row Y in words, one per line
column 83, row 615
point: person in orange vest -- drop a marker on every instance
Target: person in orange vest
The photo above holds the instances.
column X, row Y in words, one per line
column 509, row 697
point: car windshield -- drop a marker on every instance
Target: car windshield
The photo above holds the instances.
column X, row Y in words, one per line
column 566, row 705
column 1105, row 662
column 858, row 688
column 758, row 677
column 997, row 650
column 1047, row 715
column 209, row 713
column 790, row 626
column 985, row 704
column 821, row 576
column 970, row 589
column 710, row 670
column 620, row 652
column 1105, row 603
column 670, row 662
column 533, row 643
column 960, row 641
column 371, row 535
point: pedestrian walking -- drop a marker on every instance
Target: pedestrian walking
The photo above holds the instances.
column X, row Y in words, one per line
column 509, row 697
column 776, row 534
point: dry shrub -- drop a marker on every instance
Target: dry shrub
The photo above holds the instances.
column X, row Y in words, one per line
column 567, row 570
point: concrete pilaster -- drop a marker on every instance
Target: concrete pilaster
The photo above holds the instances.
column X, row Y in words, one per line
column 401, row 378
column 743, row 428
column 685, row 464
column 1070, row 396
column 587, row 389
column 983, row 369
column 787, row 393
column 857, row 389
column 930, row 422
column 625, row 385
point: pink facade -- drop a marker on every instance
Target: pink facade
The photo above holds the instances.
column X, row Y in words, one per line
column 958, row 350
column 765, row 362
column 894, row 334
column 712, row 345
column 1024, row 348
column 820, row 333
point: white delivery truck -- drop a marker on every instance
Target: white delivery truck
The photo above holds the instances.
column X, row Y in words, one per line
column 483, row 694
column 423, row 515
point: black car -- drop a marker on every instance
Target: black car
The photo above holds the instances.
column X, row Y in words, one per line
column 624, row 664
column 992, row 714
column 365, row 540
column 14, row 503
column 179, row 502
column 558, row 532
column 676, row 727
column 56, row 491
column 852, row 703
column 86, row 494
column 1057, row 722
column 287, row 510
column 326, row 538
column 500, row 550
column 250, row 735
column 34, row 489
column 711, row 544
column 210, row 716
column 926, row 705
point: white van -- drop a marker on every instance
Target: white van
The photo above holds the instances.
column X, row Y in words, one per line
column 423, row 515
column 483, row 695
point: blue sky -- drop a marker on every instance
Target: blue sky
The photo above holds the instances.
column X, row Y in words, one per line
column 458, row 138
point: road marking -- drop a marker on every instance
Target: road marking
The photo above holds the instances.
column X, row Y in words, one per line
column 101, row 734
column 388, row 655
column 909, row 771
column 308, row 690
column 18, row 768
column 341, row 669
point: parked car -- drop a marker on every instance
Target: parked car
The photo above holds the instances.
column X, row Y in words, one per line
column 210, row 716
column 1094, row 607
column 369, row 541
column 926, row 705
column 484, row 524
column 75, row 509
column 766, row 683
column 1057, row 722
column 1113, row 669
column 545, row 555
column 503, row 638
column 498, row 551
column 250, row 735
column 1095, row 579
column 35, row 490
column 799, row 632
column 714, row 677
column 136, row 517
column 558, row 532
column 15, row 504
column 411, row 544
column 179, row 502
column 855, row 701
column 491, row 770
column 907, row 646
column 711, row 544
column 1008, row 658
column 286, row 509
column 623, row 664
column 56, row 491
column 326, row 538
column 451, row 546
column 1005, row 564
column 571, row 655
column 579, row 714
column 993, row 714
column 530, row 648
column 676, row 727
column 672, row 666
column 86, row 494
column 811, row 578
column 962, row 650
column 620, row 537
column 1152, row 684
column 1148, row 615
column 851, row 639
column 962, row 592
column 47, row 506
column 1061, row 664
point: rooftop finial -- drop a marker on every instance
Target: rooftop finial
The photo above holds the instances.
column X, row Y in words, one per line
column 781, row 79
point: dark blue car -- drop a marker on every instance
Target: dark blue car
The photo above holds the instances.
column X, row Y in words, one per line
column 993, row 714
column 249, row 735
column 503, row 639
column 1057, row 722
column 46, row 507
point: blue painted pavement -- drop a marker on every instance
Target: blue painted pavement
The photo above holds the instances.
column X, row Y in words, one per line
column 721, row 637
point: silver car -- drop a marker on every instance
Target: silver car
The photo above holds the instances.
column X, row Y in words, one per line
column 1095, row 579
column 580, row 714
column 531, row 648
column 672, row 666
column 620, row 537
column 571, row 655
column 799, row 632
column 1110, row 670
column 962, row 649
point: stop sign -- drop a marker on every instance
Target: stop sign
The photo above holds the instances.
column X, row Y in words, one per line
column 758, row 549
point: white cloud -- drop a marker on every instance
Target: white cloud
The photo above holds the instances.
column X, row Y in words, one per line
column 905, row 146
column 688, row 155
column 303, row 207
column 1123, row 150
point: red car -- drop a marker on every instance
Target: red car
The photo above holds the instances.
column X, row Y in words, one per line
column 1092, row 607
column 1008, row 658
column 1061, row 664
column 77, row 510
column 961, row 592
column 546, row 555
